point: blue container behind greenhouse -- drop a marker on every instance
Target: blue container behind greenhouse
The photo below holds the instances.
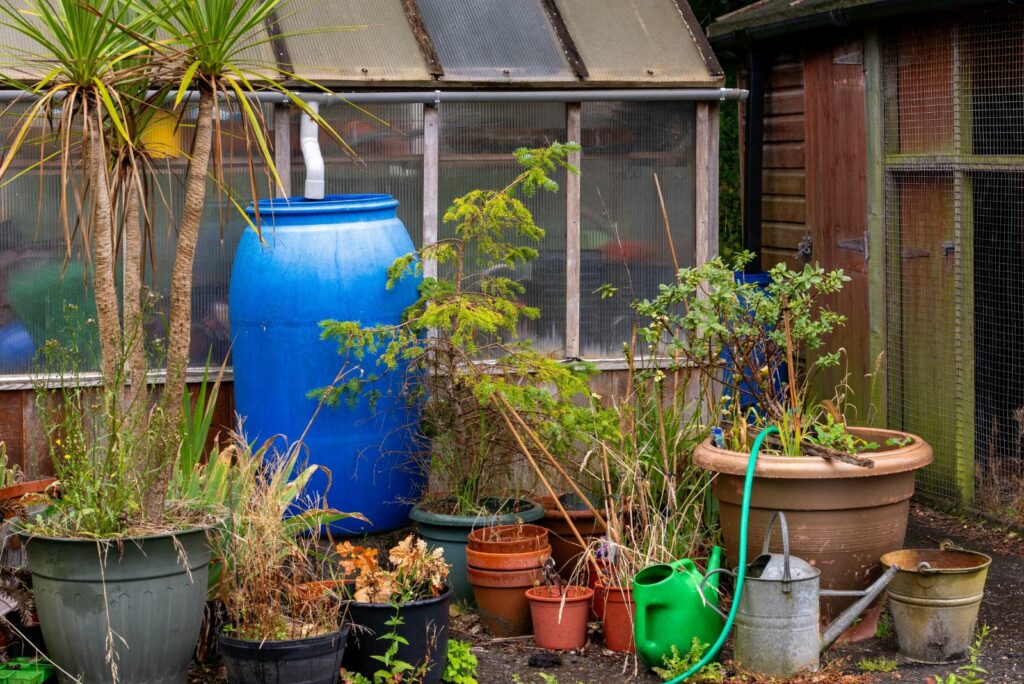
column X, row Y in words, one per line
column 325, row 259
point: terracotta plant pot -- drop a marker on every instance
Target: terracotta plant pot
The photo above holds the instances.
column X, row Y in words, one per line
column 507, row 561
column 619, row 610
column 501, row 597
column 451, row 533
column 842, row 517
column 560, row 617
column 564, row 548
column 508, row 538
column 19, row 490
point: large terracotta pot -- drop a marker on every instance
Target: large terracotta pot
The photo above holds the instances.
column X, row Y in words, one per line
column 565, row 550
column 842, row 517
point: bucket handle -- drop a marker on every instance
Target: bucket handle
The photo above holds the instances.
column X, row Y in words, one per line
column 925, row 568
column 787, row 579
column 704, row 580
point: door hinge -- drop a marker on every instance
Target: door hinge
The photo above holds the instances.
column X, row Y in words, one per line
column 860, row 244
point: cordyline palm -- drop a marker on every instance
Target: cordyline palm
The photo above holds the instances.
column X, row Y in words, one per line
column 209, row 43
column 99, row 64
column 81, row 51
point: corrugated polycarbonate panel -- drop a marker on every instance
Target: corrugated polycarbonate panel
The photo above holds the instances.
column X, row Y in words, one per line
column 477, row 141
column 636, row 41
column 353, row 40
column 19, row 56
column 388, row 140
column 495, row 41
column 623, row 238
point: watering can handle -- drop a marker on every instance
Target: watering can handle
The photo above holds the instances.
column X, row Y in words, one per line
column 700, row 588
column 787, row 581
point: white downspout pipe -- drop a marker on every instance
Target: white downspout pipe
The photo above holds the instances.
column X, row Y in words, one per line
column 309, row 137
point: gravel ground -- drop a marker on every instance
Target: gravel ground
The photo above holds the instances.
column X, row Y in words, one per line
column 1002, row 610
column 500, row 661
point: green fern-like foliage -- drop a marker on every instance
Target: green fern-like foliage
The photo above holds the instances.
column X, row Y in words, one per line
column 459, row 348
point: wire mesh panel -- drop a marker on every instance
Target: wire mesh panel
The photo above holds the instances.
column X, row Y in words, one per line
column 954, row 170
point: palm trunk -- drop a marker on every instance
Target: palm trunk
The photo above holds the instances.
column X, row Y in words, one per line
column 180, row 329
column 134, row 326
column 107, row 311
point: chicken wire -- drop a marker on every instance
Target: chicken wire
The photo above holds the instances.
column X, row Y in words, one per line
column 954, row 207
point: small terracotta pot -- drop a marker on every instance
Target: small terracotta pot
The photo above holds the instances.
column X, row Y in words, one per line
column 501, row 597
column 618, row 619
column 21, row 489
column 507, row 561
column 560, row 625
column 600, row 595
column 508, row 538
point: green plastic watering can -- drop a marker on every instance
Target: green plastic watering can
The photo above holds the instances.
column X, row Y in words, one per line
column 671, row 610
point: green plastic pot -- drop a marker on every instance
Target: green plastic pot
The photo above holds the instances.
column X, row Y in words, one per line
column 451, row 533
column 152, row 590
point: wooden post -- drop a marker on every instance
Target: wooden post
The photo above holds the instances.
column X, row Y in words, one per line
column 431, row 144
column 283, row 147
column 876, row 220
column 574, row 133
column 706, row 182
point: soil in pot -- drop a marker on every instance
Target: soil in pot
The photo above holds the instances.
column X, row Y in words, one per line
column 316, row 660
column 560, row 616
column 619, row 610
column 450, row 532
column 424, row 626
column 508, row 538
column 842, row 518
column 501, row 598
column 153, row 602
column 565, row 549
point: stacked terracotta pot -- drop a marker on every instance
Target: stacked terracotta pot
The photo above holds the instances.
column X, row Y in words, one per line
column 502, row 562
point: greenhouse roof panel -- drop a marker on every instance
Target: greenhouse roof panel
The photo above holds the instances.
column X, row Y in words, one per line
column 635, row 42
column 495, row 41
column 353, row 41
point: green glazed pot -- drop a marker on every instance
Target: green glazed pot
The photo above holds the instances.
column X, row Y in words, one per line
column 451, row 532
column 151, row 589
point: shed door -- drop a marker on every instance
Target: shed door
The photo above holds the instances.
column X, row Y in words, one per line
column 836, row 158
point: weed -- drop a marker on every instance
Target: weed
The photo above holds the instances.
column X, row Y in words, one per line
column 461, row 667
column 884, row 628
column 678, row 663
column 879, row 664
column 971, row 672
column 545, row 678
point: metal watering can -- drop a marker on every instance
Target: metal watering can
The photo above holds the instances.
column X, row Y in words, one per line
column 776, row 625
column 673, row 605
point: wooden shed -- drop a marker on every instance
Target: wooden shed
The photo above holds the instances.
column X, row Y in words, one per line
column 887, row 139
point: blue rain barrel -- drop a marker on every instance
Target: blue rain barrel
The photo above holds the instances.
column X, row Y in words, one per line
column 325, row 259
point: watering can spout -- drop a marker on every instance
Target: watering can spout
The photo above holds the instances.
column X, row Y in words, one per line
column 847, row 617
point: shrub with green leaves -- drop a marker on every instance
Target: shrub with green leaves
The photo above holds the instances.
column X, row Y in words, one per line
column 755, row 347
column 461, row 353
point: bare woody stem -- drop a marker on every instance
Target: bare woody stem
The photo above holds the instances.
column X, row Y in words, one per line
column 107, row 310
column 180, row 325
column 133, row 324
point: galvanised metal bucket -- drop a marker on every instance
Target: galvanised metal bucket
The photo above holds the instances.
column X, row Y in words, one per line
column 934, row 600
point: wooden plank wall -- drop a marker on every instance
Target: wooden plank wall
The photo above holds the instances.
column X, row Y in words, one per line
column 26, row 444
column 783, row 204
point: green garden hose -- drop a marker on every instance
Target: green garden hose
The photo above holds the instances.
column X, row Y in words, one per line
column 741, row 572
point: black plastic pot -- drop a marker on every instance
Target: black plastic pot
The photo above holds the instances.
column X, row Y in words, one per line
column 424, row 626
column 299, row 661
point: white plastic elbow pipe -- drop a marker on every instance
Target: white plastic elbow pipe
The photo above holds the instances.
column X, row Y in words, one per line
column 309, row 137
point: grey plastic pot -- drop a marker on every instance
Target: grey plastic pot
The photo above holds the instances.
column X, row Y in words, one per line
column 451, row 533
column 150, row 591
